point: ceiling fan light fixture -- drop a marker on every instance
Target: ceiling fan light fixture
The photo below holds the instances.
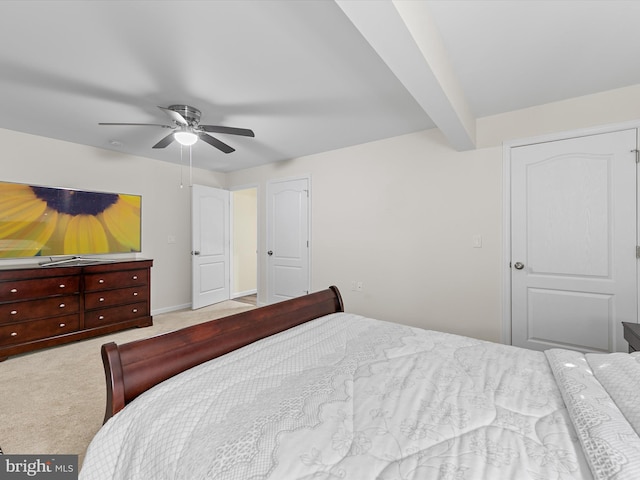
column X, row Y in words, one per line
column 186, row 138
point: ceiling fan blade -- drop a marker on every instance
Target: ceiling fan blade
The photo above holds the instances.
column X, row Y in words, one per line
column 175, row 116
column 164, row 142
column 140, row 124
column 245, row 132
column 215, row 143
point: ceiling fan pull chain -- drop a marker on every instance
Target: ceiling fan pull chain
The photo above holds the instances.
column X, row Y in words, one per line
column 190, row 168
column 181, row 165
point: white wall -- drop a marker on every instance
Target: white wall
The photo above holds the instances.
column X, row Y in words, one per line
column 165, row 206
column 399, row 215
column 611, row 107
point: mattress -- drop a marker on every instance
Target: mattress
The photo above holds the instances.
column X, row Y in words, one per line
column 349, row 397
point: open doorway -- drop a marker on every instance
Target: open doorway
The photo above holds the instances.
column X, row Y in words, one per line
column 244, row 240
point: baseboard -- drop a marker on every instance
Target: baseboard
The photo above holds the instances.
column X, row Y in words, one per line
column 174, row 308
column 160, row 311
column 243, row 294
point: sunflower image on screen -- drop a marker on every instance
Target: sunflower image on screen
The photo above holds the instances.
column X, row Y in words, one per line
column 48, row 221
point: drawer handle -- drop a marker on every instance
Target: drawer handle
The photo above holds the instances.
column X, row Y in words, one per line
column 62, row 305
column 135, row 277
column 14, row 312
column 135, row 310
column 14, row 334
column 101, row 317
column 101, row 281
column 62, row 285
column 14, row 290
column 63, row 325
column 135, row 294
column 101, row 299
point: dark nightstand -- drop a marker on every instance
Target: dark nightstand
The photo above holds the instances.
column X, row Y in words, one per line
column 632, row 335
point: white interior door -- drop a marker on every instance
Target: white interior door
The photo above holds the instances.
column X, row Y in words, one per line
column 287, row 239
column 210, row 246
column 573, row 245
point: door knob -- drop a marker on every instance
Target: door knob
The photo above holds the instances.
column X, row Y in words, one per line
column 270, row 252
column 195, row 252
column 518, row 266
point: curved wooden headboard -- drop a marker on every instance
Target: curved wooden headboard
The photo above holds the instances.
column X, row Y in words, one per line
column 134, row 367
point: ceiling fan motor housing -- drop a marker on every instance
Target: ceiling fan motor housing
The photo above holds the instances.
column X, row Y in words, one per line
column 190, row 114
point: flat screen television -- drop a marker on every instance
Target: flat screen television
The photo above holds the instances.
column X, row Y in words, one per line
column 38, row 221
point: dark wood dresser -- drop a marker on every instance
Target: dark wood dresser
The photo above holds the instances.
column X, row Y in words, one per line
column 632, row 335
column 46, row 306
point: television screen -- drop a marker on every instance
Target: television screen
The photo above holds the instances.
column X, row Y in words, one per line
column 49, row 221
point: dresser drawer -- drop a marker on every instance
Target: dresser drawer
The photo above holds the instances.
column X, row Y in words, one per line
column 47, row 307
column 108, row 280
column 108, row 316
column 37, row 329
column 115, row 297
column 42, row 287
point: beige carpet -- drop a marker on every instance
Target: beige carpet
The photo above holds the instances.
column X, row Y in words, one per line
column 53, row 401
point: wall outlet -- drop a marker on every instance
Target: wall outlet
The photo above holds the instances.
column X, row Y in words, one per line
column 359, row 286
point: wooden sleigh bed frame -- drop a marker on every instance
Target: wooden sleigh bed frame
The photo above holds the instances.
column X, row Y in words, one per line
column 134, row 367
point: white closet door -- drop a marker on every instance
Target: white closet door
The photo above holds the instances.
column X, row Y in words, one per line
column 288, row 253
column 573, row 220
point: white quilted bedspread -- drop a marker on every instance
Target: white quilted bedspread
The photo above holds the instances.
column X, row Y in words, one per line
column 346, row 397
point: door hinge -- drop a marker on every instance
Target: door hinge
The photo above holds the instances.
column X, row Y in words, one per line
column 637, row 152
column 637, row 251
column 307, row 243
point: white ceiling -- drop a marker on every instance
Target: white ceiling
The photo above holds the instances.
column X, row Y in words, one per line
column 306, row 75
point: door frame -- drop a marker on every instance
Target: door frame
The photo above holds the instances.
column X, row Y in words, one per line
column 250, row 186
column 505, row 334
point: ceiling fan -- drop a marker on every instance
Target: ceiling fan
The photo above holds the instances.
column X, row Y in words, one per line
column 187, row 129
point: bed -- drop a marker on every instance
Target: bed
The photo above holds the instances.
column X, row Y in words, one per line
column 303, row 390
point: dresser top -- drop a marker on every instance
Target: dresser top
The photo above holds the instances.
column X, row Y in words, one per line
column 31, row 270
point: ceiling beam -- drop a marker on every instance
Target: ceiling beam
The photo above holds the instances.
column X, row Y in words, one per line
column 405, row 36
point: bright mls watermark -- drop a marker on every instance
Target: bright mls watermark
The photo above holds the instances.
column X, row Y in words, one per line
column 39, row 467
